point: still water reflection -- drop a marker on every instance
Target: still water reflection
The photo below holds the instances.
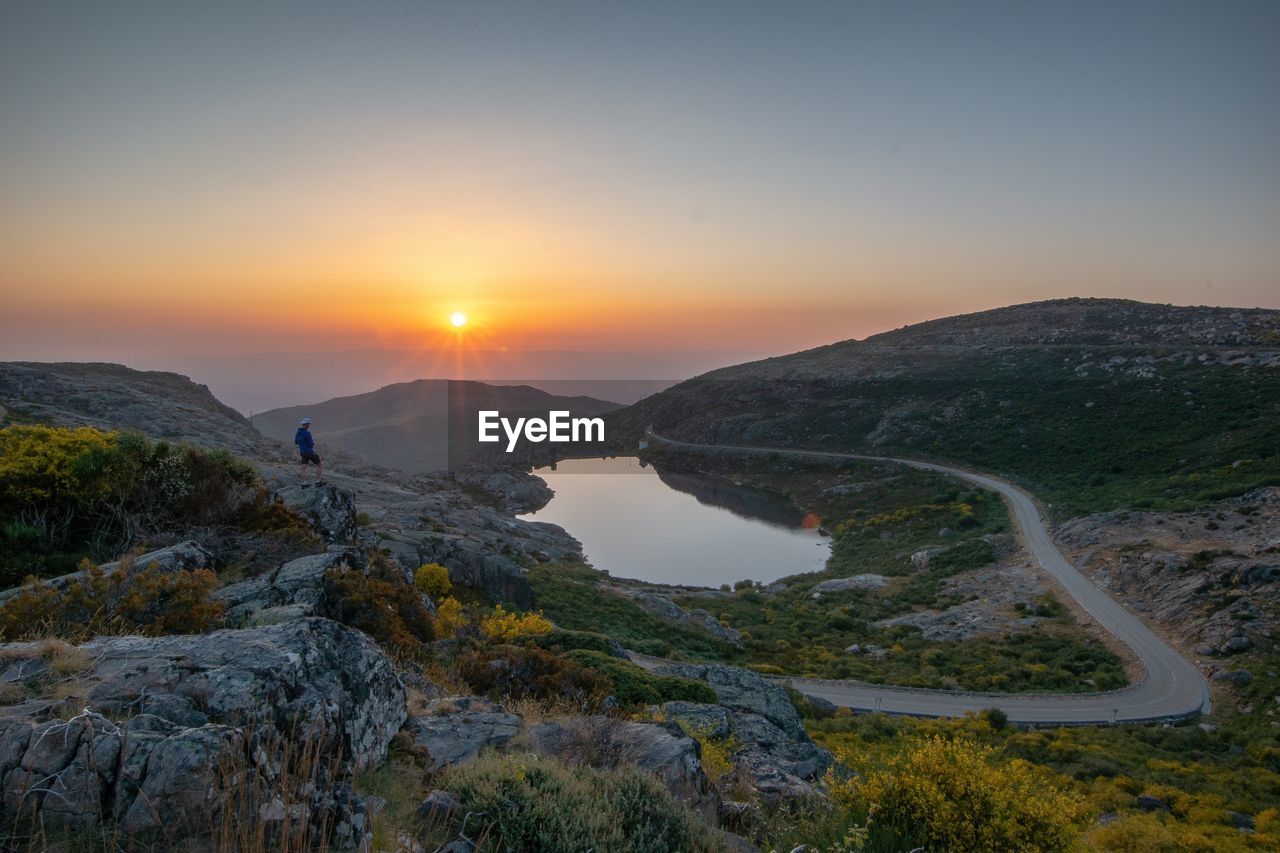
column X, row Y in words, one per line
column 676, row 527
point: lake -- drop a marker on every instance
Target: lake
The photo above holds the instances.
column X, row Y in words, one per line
column 676, row 527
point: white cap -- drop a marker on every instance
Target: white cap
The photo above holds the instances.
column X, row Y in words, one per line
column 306, row 421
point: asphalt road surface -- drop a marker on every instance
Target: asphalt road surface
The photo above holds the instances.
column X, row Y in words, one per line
column 1172, row 687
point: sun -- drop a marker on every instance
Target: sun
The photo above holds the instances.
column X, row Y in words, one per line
column 458, row 319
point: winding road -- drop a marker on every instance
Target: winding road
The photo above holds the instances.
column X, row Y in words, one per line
column 1172, row 688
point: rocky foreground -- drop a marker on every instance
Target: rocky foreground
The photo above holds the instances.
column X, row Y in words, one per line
column 175, row 736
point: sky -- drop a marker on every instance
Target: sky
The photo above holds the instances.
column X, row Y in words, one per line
column 182, row 180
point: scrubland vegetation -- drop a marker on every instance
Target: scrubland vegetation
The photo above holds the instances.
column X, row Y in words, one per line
column 874, row 530
column 971, row 785
column 68, row 494
column 920, row 776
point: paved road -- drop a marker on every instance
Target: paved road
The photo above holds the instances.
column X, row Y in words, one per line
column 1172, row 687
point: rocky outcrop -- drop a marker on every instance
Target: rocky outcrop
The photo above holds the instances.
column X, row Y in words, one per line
column 776, row 756
column 661, row 749
column 455, row 730
column 870, row 582
column 110, row 396
column 307, row 677
column 515, row 490
column 665, row 608
column 1211, row 576
column 176, row 718
column 430, row 519
column 292, row 591
column 331, row 510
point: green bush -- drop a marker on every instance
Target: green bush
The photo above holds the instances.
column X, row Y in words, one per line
column 528, row 803
column 633, row 685
column 567, row 641
column 524, row 671
column 379, row 603
column 67, row 493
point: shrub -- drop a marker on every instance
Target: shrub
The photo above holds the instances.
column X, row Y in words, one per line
column 951, row 795
column 503, row 626
column 433, row 579
column 145, row 601
column 633, row 685
column 94, row 493
column 518, row 672
column 567, row 641
column 449, row 617
column 384, row 607
column 529, row 803
column 996, row 718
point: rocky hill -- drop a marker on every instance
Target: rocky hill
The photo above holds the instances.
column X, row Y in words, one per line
column 162, row 405
column 408, row 425
column 1095, row 404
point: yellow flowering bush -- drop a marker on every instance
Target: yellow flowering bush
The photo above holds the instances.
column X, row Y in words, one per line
column 503, row 626
column 449, row 618
column 433, row 580
column 952, row 794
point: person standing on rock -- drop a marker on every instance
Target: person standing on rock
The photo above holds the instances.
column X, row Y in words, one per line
column 307, row 448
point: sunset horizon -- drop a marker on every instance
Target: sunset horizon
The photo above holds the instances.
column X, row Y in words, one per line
column 181, row 184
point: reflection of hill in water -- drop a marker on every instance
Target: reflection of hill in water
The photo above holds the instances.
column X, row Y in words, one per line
column 740, row 500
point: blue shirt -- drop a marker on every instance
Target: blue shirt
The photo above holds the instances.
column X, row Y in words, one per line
column 302, row 438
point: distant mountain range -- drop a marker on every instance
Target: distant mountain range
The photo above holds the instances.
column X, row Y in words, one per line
column 425, row 425
column 257, row 383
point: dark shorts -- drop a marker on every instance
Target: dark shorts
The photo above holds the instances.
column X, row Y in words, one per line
column 311, row 457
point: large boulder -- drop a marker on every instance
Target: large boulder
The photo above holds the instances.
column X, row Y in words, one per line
column 331, row 510
column 658, row 748
column 665, row 608
column 871, row 582
column 775, row 753
column 308, row 677
column 457, row 729
column 186, row 727
column 292, row 591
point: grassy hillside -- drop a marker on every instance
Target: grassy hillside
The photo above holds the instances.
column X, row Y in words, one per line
column 1093, row 404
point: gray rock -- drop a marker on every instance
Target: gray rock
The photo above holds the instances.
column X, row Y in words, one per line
column 308, row 677
column 665, row 608
column 1241, row 821
column 824, row 707
column 1148, row 803
column 438, row 806
column 516, row 490
column 290, row 592
column 182, row 773
column 458, row 738
column 778, row 756
column 743, row 690
column 331, row 510
column 870, row 582
column 1238, row 677
column 1235, row 644
column 661, row 749
column 709, row 720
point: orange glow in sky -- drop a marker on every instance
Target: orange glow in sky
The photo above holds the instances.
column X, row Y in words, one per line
column 214, row 180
